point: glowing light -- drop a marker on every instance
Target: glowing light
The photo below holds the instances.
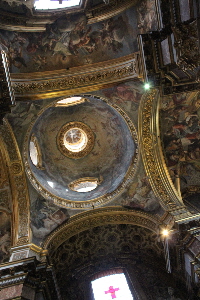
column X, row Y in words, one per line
column 147, row 86
column 49, row 4
column 75, row 139
column 70, row 101
column 165, row 232
column 50, row 183
column 111, row 287
column 33, row 153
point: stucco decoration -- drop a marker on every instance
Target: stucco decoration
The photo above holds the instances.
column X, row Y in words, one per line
column 113, row 157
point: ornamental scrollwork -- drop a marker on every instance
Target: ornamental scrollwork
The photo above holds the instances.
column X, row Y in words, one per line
column 19, row 187
column 150, row 146
column 187, row 45
column 115, row 71
column 99, row 217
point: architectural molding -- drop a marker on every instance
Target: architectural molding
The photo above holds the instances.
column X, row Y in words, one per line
column 20, row 197
column 154, row 161
column 99, row 217
column 151, row 150
column 88, row 204
column 26, row 278
column 40, row 85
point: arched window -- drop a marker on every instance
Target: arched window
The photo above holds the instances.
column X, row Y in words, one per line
column 111, row 284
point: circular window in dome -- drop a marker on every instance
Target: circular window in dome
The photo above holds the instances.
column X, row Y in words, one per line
column 75, row 140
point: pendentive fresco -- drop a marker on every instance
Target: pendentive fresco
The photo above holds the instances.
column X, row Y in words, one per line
column 180, row 121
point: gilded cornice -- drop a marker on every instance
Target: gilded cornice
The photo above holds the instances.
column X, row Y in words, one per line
column 99, row 217
column 20, row 197
column 88, row 204
column 108, row 11
column 150, row 146
column 77, row 80
column 38, row 20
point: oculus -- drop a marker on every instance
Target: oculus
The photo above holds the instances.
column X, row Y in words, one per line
column 84, row 185
column 75, row 140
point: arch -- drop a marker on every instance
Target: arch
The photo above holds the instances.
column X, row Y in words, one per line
column 152, row 152
column 18, row 185
column 99, row 217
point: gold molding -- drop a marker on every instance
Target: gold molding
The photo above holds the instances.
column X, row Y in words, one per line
column 88, row 204
column 154, row 162
column 55, row 83
column 99, row 217
column 151, row 150
column 20, row 197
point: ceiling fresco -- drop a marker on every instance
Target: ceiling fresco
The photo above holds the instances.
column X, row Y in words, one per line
column 110, row 158
column 180, row 121
column 71, row 42
column 136, row 195
column 147, row 17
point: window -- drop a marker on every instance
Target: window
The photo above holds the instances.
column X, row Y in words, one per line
column 54, row 4
column 111, row 286
column 70, row 101
column 35, row 153
column 84, row 185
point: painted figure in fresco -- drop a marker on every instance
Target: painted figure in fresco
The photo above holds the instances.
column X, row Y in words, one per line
column 125, row 94
column 14, row 47
column 141, row 196
column 45, row 217
column 5, row 237
column 146, row 16
column 112, row 33
column 68, row 39
column 182, row 134
column 5, row 241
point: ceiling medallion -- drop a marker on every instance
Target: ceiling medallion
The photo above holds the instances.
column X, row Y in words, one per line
column 75, row 140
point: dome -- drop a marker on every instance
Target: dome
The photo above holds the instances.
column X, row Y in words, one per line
column 87, row 151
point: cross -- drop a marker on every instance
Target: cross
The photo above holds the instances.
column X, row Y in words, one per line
column 112, row 292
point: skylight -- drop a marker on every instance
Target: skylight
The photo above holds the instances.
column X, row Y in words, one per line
column 54, row 4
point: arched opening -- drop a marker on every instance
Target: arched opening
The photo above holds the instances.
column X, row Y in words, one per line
column 127, row 249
